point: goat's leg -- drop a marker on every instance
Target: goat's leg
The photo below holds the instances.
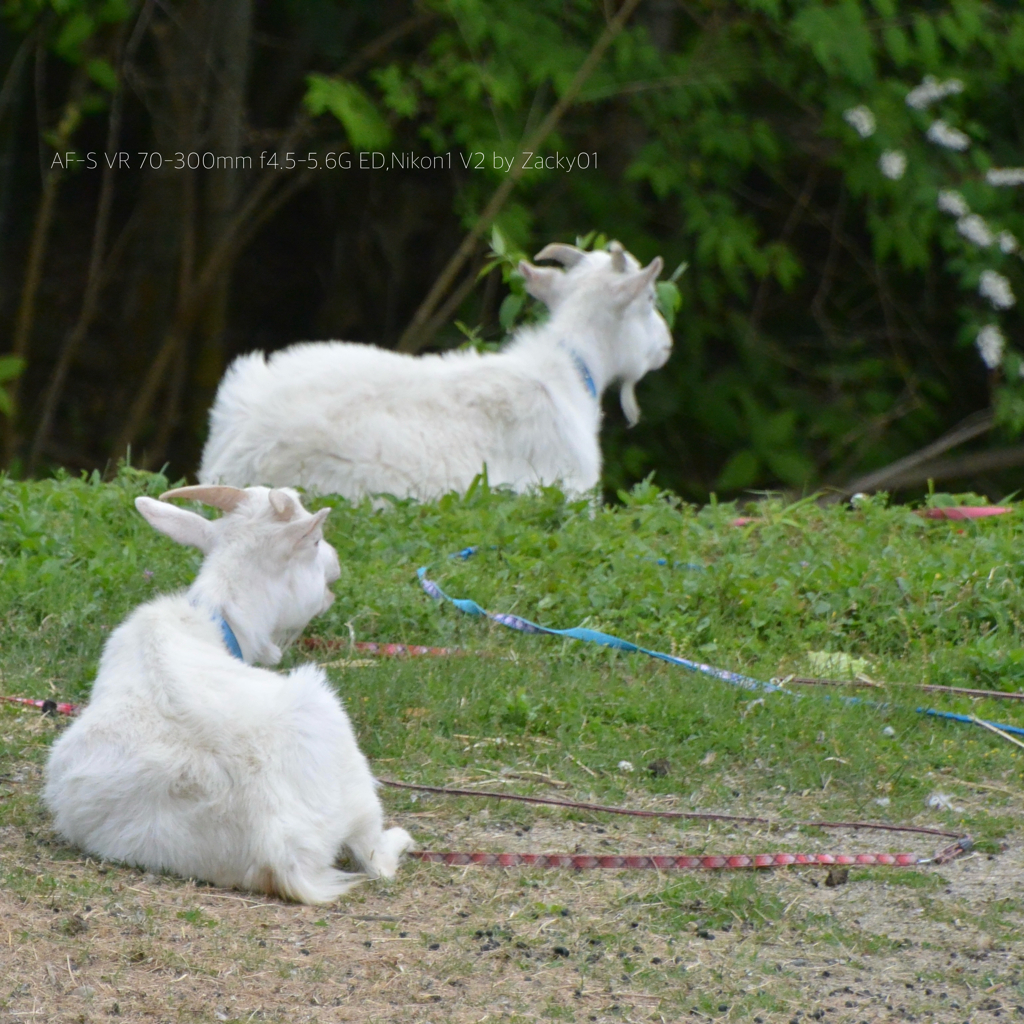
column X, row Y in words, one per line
column 378, row 853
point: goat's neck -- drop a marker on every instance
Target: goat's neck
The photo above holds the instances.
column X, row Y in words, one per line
column 248, row 613
column 587, row 358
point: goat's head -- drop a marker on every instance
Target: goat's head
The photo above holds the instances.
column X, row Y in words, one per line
column 615, row 296
column 265, row 557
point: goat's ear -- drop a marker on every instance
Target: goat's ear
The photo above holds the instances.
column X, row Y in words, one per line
column 637, row 283
column 308, row 531
column 177, row 523
column 542, row 283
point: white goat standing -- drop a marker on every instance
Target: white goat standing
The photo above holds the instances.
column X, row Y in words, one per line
column 190, row 760
column 353, row 419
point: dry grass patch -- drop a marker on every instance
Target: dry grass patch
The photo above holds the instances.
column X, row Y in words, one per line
column 82, row 941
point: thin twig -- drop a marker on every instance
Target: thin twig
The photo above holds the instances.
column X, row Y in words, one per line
column 21, row 55
column 414, row 337
column 962, row 691
column 94, row 275
column 997, row 731
column 25, row 319
column 691, row 815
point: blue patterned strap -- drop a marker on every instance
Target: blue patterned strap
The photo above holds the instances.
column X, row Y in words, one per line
column 593, row 636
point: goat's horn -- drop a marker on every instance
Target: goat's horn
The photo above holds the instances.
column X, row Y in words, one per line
column 567, row 255
column 618, row 257
column 218, row 495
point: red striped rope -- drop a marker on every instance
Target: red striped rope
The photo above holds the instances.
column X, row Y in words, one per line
column 669, row 863
column 384, row 650
column 46, row 705
column 685, row 862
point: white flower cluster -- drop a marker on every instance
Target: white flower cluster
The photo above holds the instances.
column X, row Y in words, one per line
column 930, row 90
column 996, row 289
column 973, row 227
column 946, row 136
column 1005, row 176
column 953, row 203
column 975, row 230
column 990, row 344
column 893, row 164
column 861, row 120
column 1007, row 242
column 993, row 286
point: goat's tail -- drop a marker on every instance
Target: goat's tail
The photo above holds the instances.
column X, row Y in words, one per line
column 304, row 885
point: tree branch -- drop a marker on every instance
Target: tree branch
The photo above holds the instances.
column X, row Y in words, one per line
column 101, row 226
column 901, row 471
column 18, row 62
column 231, row 241
column 962, row 466
column 415, row 337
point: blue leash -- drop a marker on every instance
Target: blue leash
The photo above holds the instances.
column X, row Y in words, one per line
column 595, row 637
column 607, row 640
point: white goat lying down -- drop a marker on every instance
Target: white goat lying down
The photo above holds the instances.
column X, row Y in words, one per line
column 189, row 759
column 352, row 419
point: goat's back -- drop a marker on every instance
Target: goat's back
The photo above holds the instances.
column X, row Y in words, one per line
column 188, row 760
column 355, row 420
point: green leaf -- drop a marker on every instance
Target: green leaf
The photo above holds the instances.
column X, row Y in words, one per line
column 509, row 310
column 838, row 38
column 10, row 367
column 668, row 301
column 74, row 32
column 739, row 472
column 399, row 93
column 102, row 73
column 363, row 123
column 498, row 244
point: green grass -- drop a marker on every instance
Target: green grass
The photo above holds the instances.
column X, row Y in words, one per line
column 921, row 601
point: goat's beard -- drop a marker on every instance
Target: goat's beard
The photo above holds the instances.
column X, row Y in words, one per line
column 287, row 637
column 630, row 406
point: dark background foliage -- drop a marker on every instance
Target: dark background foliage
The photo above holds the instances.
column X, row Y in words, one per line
column 829, row 313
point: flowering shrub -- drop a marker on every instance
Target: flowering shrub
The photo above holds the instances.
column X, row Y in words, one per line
column 975, row 229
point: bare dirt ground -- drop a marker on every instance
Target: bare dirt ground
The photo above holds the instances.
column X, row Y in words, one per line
column 87, row 942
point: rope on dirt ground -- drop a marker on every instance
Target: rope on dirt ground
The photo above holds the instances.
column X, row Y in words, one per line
column 685, row 862
column 579, row 861
column 690, row 815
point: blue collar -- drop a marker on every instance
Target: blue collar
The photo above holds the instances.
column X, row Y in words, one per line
column 583, row 370
column 229, row 636
column 226, row 632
